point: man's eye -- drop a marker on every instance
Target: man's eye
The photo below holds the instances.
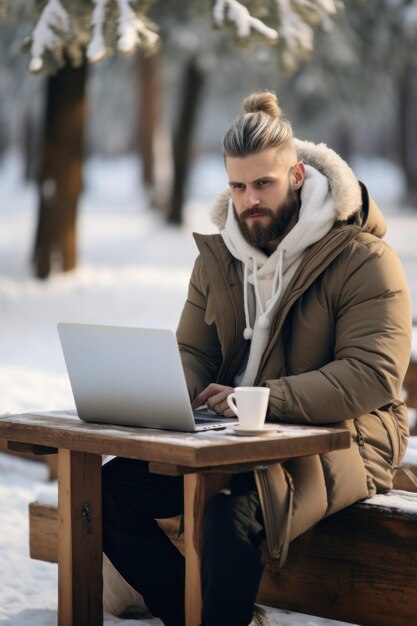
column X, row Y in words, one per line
column 262, row 183
column 237, row 186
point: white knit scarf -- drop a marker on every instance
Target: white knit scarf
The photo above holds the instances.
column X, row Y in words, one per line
column 271, row 275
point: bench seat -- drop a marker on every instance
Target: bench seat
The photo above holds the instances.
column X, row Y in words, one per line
column 358, row 566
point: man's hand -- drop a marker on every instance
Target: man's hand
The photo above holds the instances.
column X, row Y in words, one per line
column 215, row 397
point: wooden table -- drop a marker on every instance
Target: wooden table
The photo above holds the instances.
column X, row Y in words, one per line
column 204, row 459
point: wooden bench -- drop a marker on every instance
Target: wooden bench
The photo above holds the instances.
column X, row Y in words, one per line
column 359, row 565
column 32, row 453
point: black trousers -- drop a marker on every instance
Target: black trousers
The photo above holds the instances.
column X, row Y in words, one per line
column 232, row 561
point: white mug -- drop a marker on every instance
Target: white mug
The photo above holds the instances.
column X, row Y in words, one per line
column 250, row 405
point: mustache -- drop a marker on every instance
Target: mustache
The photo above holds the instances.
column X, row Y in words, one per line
column 257, row 211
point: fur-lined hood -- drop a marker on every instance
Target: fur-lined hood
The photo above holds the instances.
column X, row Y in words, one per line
column 348, row 195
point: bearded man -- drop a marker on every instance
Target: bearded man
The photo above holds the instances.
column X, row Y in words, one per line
column 299, row 293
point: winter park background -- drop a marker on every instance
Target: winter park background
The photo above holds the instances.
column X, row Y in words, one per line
column 133, row 270
column 356, row 92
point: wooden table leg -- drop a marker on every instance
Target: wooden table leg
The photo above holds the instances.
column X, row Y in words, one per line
column 198, row 489
column 80, row 583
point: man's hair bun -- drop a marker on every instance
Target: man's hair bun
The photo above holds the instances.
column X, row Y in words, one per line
column 264, row 101
column 261, row 126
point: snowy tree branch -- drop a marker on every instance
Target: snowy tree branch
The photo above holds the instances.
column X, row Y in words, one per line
column 45, row 36
column 318, row 11
column 132, row 30
column 60, row 29
column 293, row 30
column 297, row 18
column 244, row 21
column 96, row 49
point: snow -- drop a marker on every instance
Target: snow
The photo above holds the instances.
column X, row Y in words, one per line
column 243, row 20
column 133, row 270
column 396, row 499
column 53, row 20
column 96, row 49
column 130, row 28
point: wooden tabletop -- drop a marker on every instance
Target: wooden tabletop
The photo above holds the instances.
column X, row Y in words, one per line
column 63, row 429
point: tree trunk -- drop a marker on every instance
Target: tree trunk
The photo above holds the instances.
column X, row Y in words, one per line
column 3, row 140
column 193, row 89
column 30, row 144
column 408, row 125
column 60, row 180
column 343, row 141
column 149, row 85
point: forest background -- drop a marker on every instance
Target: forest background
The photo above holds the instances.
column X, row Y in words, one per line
column 106, row 168
column 167, row 84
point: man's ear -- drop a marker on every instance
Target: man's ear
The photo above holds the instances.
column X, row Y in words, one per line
column 298, row 175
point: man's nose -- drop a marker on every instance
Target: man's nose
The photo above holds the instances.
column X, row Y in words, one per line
column 251, row 199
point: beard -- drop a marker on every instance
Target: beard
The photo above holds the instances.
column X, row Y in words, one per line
column 259, row 236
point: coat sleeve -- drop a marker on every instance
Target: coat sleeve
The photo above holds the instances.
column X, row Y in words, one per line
column 197, row 335
column 372, row 345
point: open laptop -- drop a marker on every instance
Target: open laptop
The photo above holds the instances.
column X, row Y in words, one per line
column 131, row 377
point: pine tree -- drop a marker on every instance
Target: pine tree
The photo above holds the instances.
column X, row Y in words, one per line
column 365, row 73
column 67, row 29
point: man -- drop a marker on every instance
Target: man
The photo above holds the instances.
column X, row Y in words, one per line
column 299, row 293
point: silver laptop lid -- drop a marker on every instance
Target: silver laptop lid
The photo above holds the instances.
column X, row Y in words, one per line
column 126, row 376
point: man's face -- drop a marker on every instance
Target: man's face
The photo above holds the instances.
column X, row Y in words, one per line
column 264, row 189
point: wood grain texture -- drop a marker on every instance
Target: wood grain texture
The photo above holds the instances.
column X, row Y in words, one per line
column 358, row 566
column 194, row 450
column 80, row 554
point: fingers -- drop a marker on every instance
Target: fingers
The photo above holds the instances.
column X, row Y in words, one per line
column 218, row 403
column 206, row 394
column 215, row 396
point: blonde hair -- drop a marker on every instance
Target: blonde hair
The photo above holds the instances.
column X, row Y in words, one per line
column 261, row 126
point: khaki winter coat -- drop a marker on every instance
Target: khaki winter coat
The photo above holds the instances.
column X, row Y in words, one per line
column 338, row 350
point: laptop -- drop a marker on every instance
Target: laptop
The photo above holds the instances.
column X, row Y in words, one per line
column 131, row 377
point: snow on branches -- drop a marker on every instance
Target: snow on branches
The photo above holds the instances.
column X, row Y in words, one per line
column 297, row 19
column 53, row 22
column 58, row 29
column 73, row 28
column 243, row 20
column 96, row 49
column 132, row 31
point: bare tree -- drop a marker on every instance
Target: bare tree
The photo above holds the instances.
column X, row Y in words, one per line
column 60, row 180
column 191, row 95
column 149, row 85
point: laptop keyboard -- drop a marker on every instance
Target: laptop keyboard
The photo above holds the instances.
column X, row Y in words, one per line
column 202, row 417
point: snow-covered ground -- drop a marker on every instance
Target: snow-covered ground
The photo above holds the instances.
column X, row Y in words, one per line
column 133, row 270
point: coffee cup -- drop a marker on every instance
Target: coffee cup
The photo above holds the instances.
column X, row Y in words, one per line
column 249, row 404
